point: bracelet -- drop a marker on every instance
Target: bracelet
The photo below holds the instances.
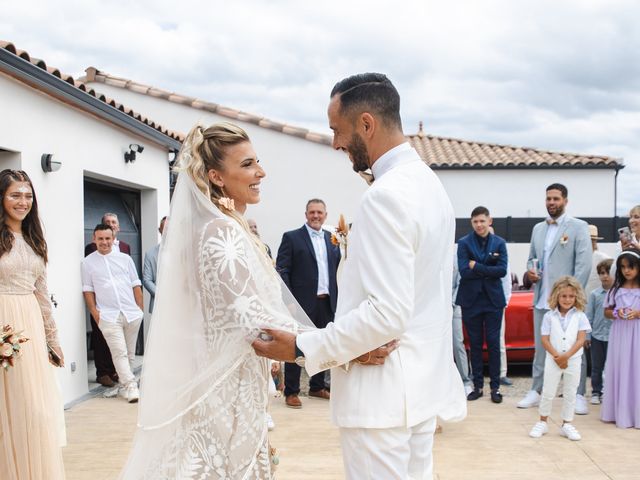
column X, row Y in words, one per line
column 364, row 362
column 615, row 314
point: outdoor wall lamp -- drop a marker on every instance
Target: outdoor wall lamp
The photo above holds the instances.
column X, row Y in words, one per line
column 130, row 156
column 48, row 164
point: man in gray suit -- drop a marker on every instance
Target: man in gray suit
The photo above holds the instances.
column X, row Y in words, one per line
column 560, row 245
column 150, row 270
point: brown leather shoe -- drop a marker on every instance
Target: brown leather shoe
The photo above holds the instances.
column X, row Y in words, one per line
column 324, row 393
column 105, row 381
column 293, row 401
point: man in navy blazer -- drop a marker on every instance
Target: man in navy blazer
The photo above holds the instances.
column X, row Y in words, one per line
column 307, row 262
column 482, row 262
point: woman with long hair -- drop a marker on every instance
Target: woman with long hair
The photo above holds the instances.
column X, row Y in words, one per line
column 204, row 391
column 31, row 412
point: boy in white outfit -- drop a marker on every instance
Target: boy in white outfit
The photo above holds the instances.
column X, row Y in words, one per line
column 564, row 330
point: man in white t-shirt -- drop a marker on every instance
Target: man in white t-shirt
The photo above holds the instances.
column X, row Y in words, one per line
column 113, row 293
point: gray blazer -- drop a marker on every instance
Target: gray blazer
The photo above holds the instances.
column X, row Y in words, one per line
column 571, row 256
column 150, row 272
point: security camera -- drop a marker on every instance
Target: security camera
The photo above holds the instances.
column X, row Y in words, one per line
column 134, row 147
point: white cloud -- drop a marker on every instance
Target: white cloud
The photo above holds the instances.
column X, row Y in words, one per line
column 554, row 75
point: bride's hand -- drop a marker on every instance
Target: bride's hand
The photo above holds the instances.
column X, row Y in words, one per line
column 379, row 355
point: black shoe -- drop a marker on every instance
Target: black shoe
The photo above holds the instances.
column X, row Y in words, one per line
column 475, row 394
column 506, row 381
column 496, row 396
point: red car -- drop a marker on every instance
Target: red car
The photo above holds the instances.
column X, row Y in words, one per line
column 518, row 336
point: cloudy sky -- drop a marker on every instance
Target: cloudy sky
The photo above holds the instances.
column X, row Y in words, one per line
column 560, row 75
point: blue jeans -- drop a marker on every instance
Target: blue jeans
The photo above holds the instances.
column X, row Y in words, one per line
column 480, row 326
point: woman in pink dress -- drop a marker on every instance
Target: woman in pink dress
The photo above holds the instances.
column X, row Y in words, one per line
column 31, row 431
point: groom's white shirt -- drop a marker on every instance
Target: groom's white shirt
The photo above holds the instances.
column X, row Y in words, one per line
column 395, row 284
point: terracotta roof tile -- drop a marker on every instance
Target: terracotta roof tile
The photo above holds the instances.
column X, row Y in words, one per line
column 442, row 152
column 9, row 47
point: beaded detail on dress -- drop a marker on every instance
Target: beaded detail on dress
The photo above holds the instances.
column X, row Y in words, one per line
column 23, row 272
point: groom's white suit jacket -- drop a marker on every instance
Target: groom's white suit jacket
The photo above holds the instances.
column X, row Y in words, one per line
column 395, row 284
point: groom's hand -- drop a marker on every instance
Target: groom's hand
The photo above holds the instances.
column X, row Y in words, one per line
column 282, row 347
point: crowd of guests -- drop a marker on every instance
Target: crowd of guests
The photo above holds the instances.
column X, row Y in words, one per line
column 584, row 304
column 582, row 298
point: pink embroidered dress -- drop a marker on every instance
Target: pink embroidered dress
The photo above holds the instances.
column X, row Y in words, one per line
column 31, row 411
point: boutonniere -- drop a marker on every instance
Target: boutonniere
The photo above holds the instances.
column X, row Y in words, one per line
column 340, row 235
column 564, row 239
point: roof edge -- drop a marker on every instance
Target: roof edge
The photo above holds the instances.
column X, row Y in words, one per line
column 19, row 65
column 93, row 74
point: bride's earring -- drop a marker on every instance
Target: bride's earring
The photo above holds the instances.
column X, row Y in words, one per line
column 225, row 201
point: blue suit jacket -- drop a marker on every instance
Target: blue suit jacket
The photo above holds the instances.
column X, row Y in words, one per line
column 485, row 277
column 296, row 263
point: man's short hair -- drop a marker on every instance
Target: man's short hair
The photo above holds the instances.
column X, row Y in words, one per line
column 480, row 211
column 315, row 200
column 371, row 92
column 102, row 226
column 108, row 214
column 604, row 266
column 558, row 186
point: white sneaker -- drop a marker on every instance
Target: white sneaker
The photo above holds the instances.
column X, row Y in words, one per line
column 133, row 394
column 270, row 423
column 539, row 429
column 595, row 399
column 531, row 399
column 467, row 390
column 569, row 431
column 581, row 405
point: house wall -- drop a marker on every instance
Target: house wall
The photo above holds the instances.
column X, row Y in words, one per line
column 33, row 123
column 521, row 192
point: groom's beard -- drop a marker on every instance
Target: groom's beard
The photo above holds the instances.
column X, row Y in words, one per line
column 358, row 153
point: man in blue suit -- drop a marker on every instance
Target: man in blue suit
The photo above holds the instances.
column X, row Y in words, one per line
column 307, row 262
column 482, row 262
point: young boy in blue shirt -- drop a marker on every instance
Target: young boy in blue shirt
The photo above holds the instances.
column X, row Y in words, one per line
column 600, row 327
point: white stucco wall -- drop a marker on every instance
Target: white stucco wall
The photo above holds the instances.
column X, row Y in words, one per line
column 521, row 193
column 33, row 123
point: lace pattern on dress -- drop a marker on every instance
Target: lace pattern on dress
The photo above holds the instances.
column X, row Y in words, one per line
column 223, row 435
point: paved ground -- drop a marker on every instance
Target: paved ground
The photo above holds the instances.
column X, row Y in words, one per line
column 492, row 443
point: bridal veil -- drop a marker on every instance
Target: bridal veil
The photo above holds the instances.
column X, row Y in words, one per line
column 203, row 389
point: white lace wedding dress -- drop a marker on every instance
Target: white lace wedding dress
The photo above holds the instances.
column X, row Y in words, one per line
column 204, row 390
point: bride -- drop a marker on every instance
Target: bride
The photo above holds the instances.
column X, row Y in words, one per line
column 204, row 390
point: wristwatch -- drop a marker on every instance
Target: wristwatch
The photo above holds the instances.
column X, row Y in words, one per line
column 300, row 360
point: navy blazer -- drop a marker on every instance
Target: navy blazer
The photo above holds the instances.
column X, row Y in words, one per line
column 485, row 277
column 296, row 263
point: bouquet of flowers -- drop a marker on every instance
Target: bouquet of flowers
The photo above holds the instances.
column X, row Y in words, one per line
column 10, row 346
column 339, row 237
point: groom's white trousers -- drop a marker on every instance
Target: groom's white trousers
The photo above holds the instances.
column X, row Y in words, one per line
column 388, row 453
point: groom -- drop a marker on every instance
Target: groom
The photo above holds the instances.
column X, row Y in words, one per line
column 396, row 285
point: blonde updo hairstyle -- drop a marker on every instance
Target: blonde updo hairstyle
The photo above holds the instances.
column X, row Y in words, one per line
column 204, row 149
